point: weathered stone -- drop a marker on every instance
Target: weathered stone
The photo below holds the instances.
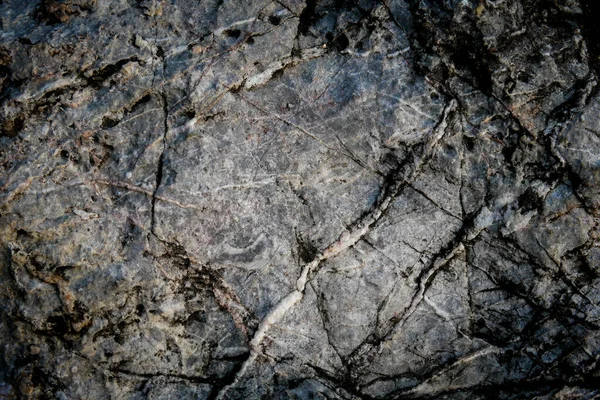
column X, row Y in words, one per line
column 291, row 199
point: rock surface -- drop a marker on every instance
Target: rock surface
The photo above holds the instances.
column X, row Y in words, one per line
column 326, row 199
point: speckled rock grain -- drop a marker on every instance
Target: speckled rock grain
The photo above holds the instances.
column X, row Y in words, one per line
column 360, row 199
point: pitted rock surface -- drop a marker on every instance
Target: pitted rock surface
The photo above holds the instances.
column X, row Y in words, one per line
column 325, row 199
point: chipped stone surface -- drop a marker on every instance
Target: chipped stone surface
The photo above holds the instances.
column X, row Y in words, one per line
column 284, row 199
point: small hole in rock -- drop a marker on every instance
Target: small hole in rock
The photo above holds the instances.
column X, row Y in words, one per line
column 277, row 74
column 232, row 33
column 108, row 123
column 275, row 20
column 469, row 143
column 341, row 42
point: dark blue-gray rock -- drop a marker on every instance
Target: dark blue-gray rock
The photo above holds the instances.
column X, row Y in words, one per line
column 361, row 199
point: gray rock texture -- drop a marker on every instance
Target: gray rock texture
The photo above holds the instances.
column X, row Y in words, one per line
column 287, row 199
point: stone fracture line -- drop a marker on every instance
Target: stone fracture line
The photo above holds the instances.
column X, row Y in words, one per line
column 245, row 81
column 225, row 297
column 364, row 354
column 425, row 281
column 161, row 158
column 149, row 193
column 346, row 240
column 434, row 383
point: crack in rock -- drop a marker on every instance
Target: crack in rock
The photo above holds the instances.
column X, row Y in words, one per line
column 299, row 199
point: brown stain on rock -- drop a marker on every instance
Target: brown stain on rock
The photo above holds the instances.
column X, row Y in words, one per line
column 60, row 11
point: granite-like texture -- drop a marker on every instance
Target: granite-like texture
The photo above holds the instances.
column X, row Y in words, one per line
column 362, row 199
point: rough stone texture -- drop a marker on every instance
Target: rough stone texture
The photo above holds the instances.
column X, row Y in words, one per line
column 283, row 199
